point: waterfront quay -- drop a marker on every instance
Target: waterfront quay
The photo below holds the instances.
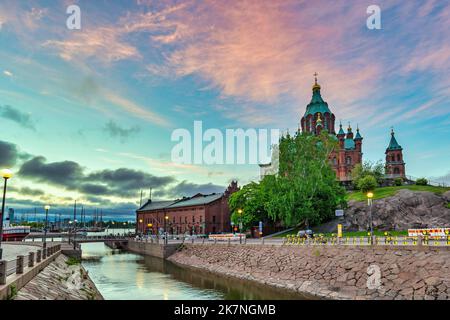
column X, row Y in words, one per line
column 332, row 270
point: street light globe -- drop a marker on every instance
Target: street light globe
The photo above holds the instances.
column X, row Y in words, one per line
column 47, row 207
column 370, row 195
column 6, row 173
column 239, row 211
column 140, row 220
column 167, row 217
column 70, row 222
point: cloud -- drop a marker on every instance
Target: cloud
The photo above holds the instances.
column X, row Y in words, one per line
column 121, row 182
column 26, row 191
column 188, row 189
column 116, row 131
column 10, row 113
column 9, row 154
column 65, row 173
column 6, row 72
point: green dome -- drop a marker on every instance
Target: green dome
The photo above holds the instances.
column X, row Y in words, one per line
column 393, row 144
column 317, row 104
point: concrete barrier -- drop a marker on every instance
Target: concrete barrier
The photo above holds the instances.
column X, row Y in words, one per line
column 31, row 260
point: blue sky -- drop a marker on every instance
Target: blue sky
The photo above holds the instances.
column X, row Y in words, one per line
column 80, row 108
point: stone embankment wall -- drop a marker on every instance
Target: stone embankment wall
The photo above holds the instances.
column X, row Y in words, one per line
column 151, row 248
column 334, row 272
column 59, row 281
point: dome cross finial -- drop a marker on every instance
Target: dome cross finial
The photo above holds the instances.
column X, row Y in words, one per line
column 315, row 77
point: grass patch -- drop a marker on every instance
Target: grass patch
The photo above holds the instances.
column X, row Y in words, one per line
column 73, row 261
column 448, row 205
column 385, row 192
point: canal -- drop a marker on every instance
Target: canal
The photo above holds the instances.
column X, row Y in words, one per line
column 121, row 275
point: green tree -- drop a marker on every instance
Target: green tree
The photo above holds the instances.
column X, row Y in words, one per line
column 368, row 168
column 306, row 189
column 368, row 183
column 422, row 181
column 250, row 199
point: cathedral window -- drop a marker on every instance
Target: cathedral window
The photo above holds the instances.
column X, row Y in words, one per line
column 393, row 158
column 398, row 157
column 348, row 160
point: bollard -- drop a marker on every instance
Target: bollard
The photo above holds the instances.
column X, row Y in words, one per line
column 31, row 260
column 192, row 240
column 262, row 240
column 2, row 272
column 44, row 253
column 203, row 240
column 229, row 241
column 38, row 256
column 19, row 265
column 245, row 240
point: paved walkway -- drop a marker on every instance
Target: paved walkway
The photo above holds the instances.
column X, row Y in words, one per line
column 11, row 251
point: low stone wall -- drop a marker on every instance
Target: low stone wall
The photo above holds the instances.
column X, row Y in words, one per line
column 151, row 249
column 335, row 272
column 60, row 281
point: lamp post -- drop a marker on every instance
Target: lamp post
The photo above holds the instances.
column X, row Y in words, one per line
column 47, row 207
column 74, row 234
column 369, row 203
column 140, row 223
column 165, row 232
column 6, row 174
column 240, row 225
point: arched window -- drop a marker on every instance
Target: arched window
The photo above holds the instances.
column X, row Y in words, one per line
column 393, row 157
column 396, row 171
column 398, row 157
column 334, row 161
column 348, row 160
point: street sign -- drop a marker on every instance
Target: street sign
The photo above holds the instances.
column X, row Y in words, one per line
column 339, row 213
column 260, row 227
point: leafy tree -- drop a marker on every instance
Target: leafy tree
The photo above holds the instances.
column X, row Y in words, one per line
column 306, row 189
column 398, row 181
column 250, row 199
column 368, row 183
column 360, row 171
column 422, row 181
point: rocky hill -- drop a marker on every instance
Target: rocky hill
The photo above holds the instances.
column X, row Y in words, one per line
column 407, row 209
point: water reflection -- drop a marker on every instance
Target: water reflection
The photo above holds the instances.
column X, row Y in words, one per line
column 124, row 276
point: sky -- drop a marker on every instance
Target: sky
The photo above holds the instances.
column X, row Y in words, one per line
column 88, row 114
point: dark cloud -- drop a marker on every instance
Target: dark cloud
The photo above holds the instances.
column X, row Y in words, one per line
column 8, row 154
column 26, row 191
column 17, row 116
column 189, row 189
column 121, row 182
column 116, row 131
column 65, row 173
column 129, row 179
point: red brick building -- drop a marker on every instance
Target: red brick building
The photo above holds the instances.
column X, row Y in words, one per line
column 395, row 166
column 199, row 214
column 319, row 117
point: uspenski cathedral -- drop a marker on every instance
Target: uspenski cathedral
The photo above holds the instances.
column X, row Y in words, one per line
column 318, row 117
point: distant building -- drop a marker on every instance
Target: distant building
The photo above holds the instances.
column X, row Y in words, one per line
column 199, row 214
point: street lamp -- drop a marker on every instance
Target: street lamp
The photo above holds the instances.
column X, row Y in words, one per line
column 47, row 207
column 369, row 203
column 6, row 174
column 165, row 232
column 240, row 225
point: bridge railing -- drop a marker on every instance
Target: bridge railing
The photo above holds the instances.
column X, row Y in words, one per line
column 22, row 262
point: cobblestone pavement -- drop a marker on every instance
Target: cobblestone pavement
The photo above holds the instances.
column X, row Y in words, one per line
column 11, row 251
column 59, row 281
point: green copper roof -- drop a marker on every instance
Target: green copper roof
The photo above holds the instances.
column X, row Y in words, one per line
column 340, row 130
column 393, row 144
column 317, row 104
column 349, row 144
column 358, row 136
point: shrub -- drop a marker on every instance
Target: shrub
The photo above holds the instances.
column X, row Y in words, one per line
column 368, row 183
column 422, row 182
column 398, row 181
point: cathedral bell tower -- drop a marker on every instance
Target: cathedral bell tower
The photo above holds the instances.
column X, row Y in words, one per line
column 395, row 166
